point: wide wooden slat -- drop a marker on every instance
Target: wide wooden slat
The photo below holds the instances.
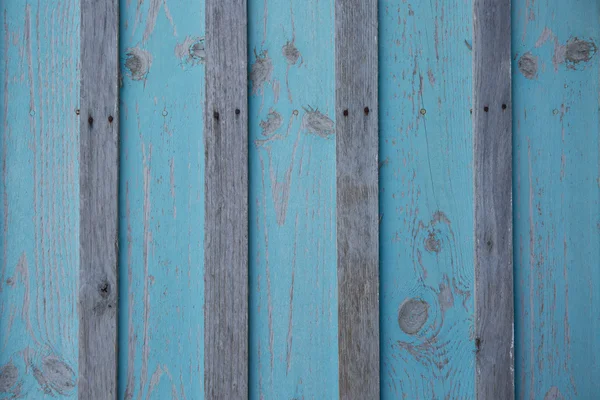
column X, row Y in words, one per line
column 357, row 197
column 291, row 158
column 492, row 124
column 226, row 202
column 99, row 157
column 556, row 161
column 426, row 200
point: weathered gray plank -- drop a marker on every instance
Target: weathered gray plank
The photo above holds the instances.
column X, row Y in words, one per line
column 226, row 202
column 357, row 197
column 492, row 124
column 99, row 157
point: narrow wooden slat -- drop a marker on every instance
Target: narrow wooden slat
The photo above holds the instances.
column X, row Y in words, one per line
column 99, row 157
column 226, row 202
column 492, row 124
column 357, row 197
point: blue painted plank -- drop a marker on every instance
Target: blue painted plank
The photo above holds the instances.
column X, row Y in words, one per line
column 293, row 289
column 556, row 146
column 161, row 336
column 426, row 200
column 39, row 199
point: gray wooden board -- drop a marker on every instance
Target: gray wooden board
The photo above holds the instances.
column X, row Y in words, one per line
column 99, row 157
column 226, row 202
column 357, row 197
column 492, row 123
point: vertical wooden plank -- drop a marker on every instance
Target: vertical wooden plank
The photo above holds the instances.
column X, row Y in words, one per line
column 492, row 129
column 99, row 166
column 161, row 196
column 293, row 284
column 39, row 198
column 426, row 200
column 357, row 202
column 556, row 81
column 226, row 201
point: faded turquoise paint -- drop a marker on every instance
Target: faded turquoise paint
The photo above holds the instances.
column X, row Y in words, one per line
column 556, row 90
column 426, row 200
column 293, row 279
column 39, row 199
column 161, row 331
column 427, row 348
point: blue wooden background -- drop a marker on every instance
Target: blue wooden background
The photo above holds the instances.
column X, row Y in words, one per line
column 426, row 200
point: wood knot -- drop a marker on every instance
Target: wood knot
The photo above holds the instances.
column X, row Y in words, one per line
column 432, row 243
column 412, row 315
column 104, row 289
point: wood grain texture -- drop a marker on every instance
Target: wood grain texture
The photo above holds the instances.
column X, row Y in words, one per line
column 161, row 200
column 556, row 86
column 99, row 175
column 226, row 201
column 357, row 197
column 426, row 200
column 492, row 130
column 293, row 285
column 39, row 199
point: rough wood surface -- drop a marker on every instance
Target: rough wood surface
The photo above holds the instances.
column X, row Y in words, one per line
column 556, row 86
column 161, row 200
column 226, row 201
column 293, row 284
column 39, row 199
column 99, row 173
column 492, row 130
column 426, row 200
column 357, row 197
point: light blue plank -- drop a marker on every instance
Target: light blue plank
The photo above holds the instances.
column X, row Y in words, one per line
column 556, row 198
column 293, row 290
column 426, row 200
column 161, row 335
column 39, row 199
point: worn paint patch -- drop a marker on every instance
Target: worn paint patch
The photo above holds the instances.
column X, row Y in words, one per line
column 272, row 123
column 262, row 71
column 579, row 50
column 553, row 394
column 528, row 65
column 55, row 376
column 574, row 52
column 9, row 375
column 152, row 17
column 317, row 123
column 546, row 35
column 412, row 315
column 291, row 53
column 445, row 296
column 138, row 63
column 191, row 51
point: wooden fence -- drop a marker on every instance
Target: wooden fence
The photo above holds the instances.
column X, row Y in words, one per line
column 285, row 199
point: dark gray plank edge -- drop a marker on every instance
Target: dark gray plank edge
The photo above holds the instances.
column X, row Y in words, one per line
column 99, row 174
column 492, row 124
column 356, row 66
column 226, row 202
